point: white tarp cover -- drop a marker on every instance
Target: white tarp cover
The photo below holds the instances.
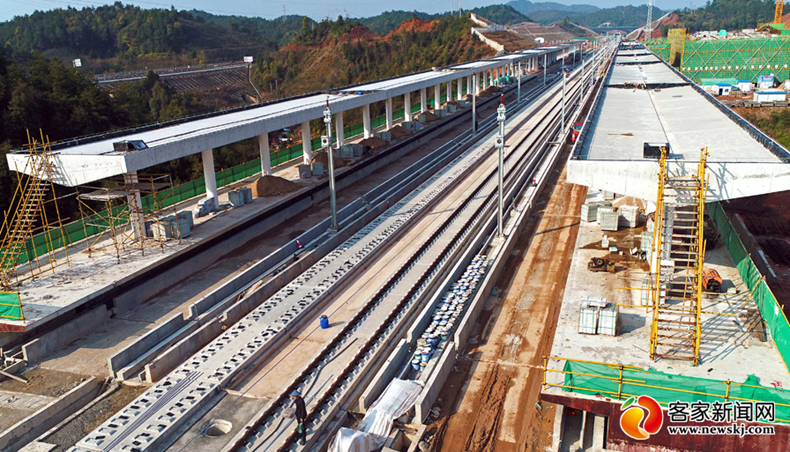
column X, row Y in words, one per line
column 371, row 433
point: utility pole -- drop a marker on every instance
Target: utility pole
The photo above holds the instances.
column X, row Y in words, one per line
column 500, row 141
column 564, row 76
column 518, row 77
column 474, row 104
column 582, row 95
column 326, row 141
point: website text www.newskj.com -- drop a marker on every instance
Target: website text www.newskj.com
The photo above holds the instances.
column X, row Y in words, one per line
column 734, row 429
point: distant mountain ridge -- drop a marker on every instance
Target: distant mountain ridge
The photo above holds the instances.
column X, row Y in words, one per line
column 585, row 15
column 528, row 7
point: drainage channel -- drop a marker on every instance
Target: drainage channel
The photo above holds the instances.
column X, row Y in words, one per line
column 261, row 437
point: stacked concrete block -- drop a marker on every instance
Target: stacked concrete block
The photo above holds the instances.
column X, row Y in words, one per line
column 386, row 136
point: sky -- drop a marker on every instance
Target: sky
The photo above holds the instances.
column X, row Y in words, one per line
column 316, row 9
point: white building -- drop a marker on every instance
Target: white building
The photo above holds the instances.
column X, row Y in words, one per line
column 745, row 86
column 770, row 96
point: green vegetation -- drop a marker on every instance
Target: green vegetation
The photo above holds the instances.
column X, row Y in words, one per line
column 325, row 31
column 279, row 31
column 777, row 124
column 728, row 15
column 99, row 32
column 501, row 14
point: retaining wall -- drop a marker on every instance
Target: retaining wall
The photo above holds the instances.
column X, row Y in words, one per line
column 28, row 429
column 51, row 342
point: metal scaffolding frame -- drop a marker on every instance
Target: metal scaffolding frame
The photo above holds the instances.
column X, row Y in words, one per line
column 28, row 215
column 123, row 219
column 679, row 253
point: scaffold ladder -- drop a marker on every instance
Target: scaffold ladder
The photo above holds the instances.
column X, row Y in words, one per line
column 27, row 215
column 679, row 250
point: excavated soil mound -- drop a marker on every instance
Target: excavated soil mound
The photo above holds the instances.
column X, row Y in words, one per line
column 399, row 132
column 323, row 159
column 373, row 143
column 272, row 186
column 430, row 117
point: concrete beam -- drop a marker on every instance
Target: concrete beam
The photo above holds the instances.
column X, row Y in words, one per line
column 266, row 160
column 366, row 120
column 307, row 145
column 727, row 180
column 28, row 429
column 210, row 176
column 50, row 343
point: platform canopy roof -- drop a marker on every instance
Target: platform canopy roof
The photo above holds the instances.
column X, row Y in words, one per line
column 653, row 104
column 90, row 159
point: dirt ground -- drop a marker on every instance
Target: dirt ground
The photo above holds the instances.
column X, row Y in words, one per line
column 44, row 382
column 491, row 403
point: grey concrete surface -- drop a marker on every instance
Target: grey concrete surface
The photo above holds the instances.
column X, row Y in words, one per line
column 48, row 343
column 42, row 420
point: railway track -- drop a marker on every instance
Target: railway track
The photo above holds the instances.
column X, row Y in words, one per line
column 146, row 423
column 327, row 392
column 149, row 422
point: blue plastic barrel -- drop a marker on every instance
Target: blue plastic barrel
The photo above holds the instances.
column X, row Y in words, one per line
column 324, row 322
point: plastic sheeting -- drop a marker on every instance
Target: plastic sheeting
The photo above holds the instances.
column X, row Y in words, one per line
column 371, row 433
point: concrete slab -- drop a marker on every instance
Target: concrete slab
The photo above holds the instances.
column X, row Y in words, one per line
column 728, row 349
column 643, row 74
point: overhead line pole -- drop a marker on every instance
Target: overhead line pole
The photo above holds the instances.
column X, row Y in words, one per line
column 326, row 141
column 501, row 110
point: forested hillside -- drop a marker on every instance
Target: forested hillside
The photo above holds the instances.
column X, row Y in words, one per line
column 728, row 15
column 343, row 52
column 119, row 38
column 40, row 90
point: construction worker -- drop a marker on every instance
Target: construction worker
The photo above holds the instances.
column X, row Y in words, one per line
column 301, row 415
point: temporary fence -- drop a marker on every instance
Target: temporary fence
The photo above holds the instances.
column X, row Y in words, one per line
column 621, row 382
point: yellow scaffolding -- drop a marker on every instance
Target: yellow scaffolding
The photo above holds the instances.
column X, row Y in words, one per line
column 33, row 209
column 678, row 253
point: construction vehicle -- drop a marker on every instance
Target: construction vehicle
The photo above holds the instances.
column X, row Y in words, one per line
column 711, row 281
column 599, row 264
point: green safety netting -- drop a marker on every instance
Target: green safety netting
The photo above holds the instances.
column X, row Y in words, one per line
column 775, row 321
column 742, row 59
column 605, row 379
column 10, row 306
